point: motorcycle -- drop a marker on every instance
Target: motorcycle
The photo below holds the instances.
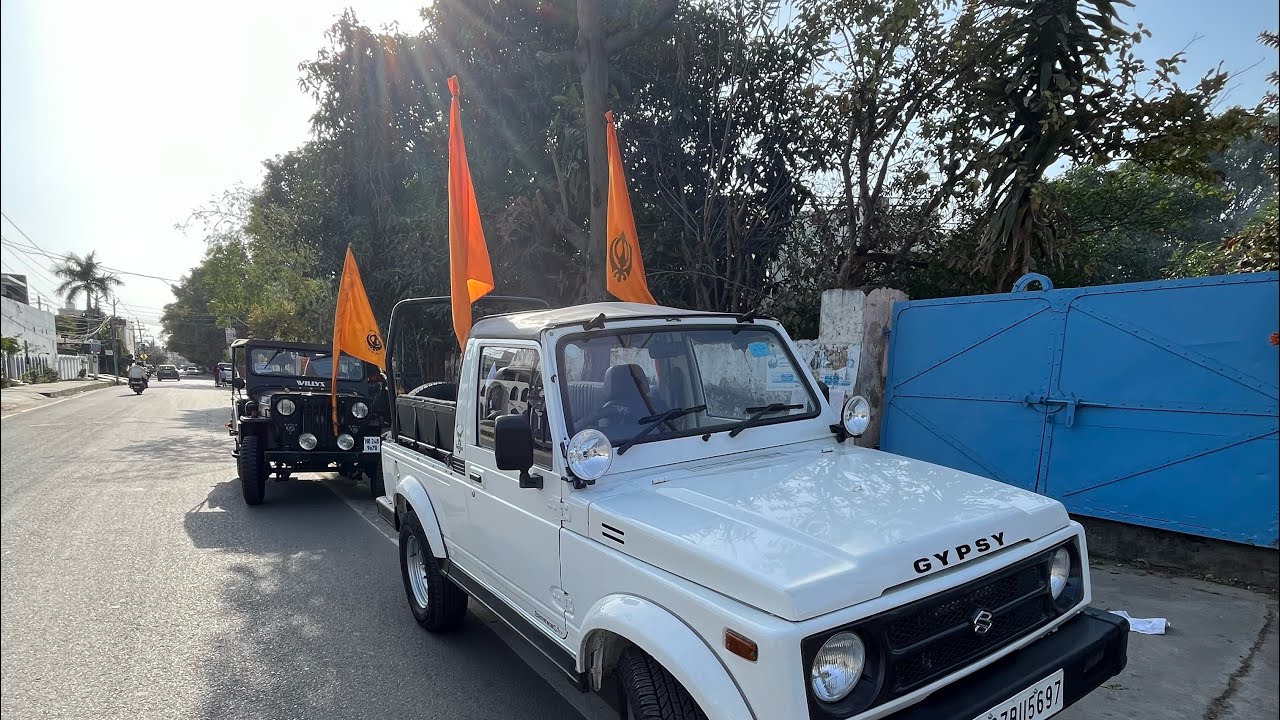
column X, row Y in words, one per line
column 137, row 385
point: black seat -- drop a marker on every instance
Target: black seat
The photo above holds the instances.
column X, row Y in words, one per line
column 628, row 387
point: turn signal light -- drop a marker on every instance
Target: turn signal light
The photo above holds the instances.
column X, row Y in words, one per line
column 741, row 645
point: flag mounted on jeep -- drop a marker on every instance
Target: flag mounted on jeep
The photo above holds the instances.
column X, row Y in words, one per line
column 470, row 275
column 355, row 330
column 626, row 280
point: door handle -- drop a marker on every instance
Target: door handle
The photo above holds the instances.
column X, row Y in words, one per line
column 476, row 477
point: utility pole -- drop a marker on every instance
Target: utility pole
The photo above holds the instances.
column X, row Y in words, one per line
column 115, row 347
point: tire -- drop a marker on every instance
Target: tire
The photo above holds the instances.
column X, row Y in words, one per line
column 445, row 604
column 253, row 470
column 649, row 692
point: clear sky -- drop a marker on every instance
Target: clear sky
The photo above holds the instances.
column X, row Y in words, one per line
column 118, row 119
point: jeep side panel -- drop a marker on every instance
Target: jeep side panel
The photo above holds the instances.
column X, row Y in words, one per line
column 512, row 546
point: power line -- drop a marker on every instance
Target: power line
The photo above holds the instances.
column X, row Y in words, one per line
column 31, row 287
column 35, row 250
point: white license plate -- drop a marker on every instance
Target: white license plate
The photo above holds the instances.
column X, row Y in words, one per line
column 372, row 444
column 1038, row 701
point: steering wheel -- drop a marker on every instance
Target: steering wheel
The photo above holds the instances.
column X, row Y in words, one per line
column 611, row 409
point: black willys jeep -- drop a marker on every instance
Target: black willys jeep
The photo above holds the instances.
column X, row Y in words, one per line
column 281, row 415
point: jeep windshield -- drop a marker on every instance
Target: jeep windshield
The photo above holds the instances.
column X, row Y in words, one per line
column 280, row 362
column 639, row 387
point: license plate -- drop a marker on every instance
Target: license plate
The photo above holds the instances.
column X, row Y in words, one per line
column 1038, row 701
column 372, row 444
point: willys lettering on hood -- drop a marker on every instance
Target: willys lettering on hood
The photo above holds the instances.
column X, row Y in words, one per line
column 310, row 384
column 799, row 532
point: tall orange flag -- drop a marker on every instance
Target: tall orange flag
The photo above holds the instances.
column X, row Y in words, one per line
column 626, row 279
column 355, row 330
column 470, row 275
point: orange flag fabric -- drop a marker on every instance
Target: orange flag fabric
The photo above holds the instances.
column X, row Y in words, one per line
column 470, row 274
column 355, row 330
column 626, row 280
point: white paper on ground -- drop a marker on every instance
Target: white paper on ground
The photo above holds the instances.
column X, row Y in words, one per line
column 1146, row 626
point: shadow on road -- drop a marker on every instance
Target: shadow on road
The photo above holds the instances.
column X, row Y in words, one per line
column 319, row 629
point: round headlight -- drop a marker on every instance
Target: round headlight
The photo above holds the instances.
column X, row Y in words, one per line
column 306, row 441
column 286, row 407
column 1059, row 572
column 837, row 667
column 250, row 408
column 346, row 442
column 590, row 454
column 856, row 416
column 360, row 410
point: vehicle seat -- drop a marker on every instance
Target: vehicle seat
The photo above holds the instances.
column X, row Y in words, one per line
column 437, row 391
column 628, row 387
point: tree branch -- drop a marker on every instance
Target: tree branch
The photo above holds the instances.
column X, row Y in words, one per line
column 624, row 39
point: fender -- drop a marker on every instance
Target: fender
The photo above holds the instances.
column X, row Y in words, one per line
column 672, row 643
column 415, row 496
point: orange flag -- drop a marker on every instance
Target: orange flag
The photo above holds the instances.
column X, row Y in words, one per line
column 626, row 279
column 470, row 275
column 355, row 331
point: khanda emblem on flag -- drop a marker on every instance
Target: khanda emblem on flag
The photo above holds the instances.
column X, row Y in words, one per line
column 374, row 341
column 620, row 263
column 625, row 277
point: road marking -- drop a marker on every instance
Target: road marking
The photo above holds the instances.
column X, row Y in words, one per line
column 375, row 525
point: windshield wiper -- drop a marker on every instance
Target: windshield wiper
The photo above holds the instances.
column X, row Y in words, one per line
column 653, row 421
column 757, row 413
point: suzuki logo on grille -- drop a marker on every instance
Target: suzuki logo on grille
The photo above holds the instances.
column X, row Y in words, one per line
column 982, row 622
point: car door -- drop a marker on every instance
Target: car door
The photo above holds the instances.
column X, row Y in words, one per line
column 514, row 531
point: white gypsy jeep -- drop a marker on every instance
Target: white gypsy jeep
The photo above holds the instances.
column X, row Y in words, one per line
column 673, row 516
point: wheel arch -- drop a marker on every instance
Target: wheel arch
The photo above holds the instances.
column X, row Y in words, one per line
column 617, row 622
column 410, row 495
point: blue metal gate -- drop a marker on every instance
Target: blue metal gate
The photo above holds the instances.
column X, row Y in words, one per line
column 1149, row 403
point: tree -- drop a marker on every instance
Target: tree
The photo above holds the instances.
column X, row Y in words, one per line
column 892, row 79
column 1256, row 246
column 1062, row 82
column 594, row 49
column 84, row 275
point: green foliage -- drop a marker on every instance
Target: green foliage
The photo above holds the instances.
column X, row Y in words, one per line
column 1255, row 248
column 10, row 346
column 767, row 159
column 1063, row 84
column 1127, row 224
column 39, row 375
column 84, row 276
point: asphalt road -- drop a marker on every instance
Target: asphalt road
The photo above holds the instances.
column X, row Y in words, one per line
column 136, row 584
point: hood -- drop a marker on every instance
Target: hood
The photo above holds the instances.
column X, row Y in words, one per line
column 264, row 386
column 800, row 533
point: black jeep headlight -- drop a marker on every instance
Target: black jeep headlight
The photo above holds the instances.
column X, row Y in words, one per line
column 286, row 407
column 360, row 410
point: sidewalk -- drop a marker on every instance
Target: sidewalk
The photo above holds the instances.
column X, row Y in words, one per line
column 1217, row 662
column 24, row 397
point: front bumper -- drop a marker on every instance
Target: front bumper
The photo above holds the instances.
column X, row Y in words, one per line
column 1088, row 649
column 321, row 458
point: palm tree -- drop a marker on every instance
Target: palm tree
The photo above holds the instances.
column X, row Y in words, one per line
column 84, row 275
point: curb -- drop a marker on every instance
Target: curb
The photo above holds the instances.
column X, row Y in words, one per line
column 75, row 390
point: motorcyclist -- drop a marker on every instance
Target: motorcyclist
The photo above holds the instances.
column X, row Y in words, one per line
column 138, row 371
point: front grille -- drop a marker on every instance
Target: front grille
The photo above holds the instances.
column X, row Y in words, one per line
column 918, row 643
column 313, row 416
column 935, row 636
